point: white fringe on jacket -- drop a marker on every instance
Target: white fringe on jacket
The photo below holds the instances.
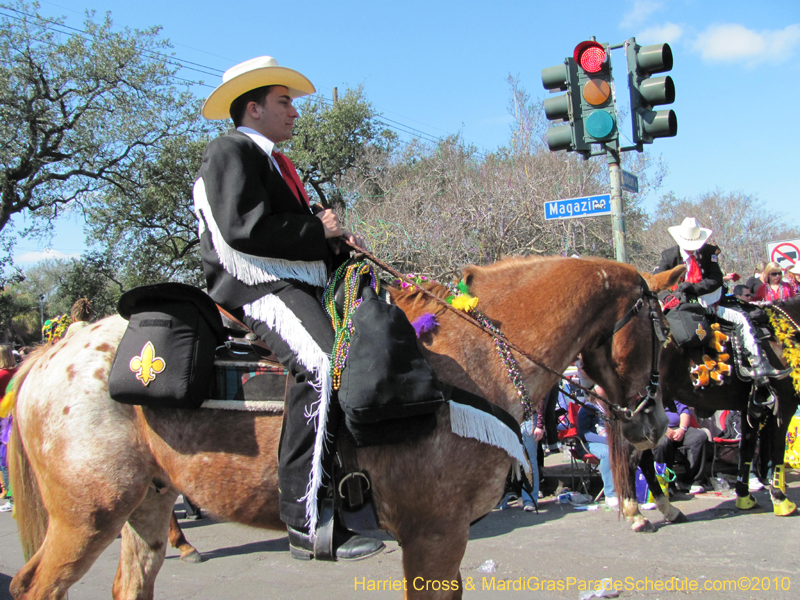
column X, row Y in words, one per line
column 280, row 319
column 247, row 268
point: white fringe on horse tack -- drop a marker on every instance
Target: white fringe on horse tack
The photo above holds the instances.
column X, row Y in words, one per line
column 750, row 343
column 247, row 268
column 269, row 406
column 469, row 422
column 280, row 319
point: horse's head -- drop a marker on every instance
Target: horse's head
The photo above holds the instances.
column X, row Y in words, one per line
column 623, row 356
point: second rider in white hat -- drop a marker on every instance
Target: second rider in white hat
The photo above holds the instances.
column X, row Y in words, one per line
column 704, row 281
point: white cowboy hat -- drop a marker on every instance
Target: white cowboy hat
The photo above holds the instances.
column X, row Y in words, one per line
column 795, row 269
column 249, row 75
column 689, row 235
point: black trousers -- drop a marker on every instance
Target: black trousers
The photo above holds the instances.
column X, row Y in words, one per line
column 693, row 446
column 298, row 434
column 550, row 422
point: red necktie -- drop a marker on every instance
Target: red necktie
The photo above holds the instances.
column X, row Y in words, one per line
column 291, row 178
column 694, row 275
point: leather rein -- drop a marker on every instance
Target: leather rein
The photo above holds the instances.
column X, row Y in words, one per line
column 646, row 397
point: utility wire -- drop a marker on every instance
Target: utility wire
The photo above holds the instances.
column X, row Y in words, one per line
column 207, row 70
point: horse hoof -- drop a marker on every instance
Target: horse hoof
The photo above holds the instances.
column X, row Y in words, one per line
column 746, row 502
column 785, row 508
column 681, row 518
column 644, row 527
column 193, row 556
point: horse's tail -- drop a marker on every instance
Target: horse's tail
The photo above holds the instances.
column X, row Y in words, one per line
column 623, row 458
column 29, row 509
column 28, row 506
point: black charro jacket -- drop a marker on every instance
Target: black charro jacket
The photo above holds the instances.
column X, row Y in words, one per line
column 708, row 259
column 254, row 234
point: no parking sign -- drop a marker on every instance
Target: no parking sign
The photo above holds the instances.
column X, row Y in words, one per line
column 786, row 253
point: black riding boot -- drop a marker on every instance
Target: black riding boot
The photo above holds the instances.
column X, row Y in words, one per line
column 347, row 545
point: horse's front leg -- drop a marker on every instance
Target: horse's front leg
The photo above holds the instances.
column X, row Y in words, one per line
column 773, row 442
column 432, row 558
column 624, row 460
column 671, row 513
column 747, row 449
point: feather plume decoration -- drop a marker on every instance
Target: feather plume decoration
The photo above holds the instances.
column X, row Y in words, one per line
column 425, row 323
column 464, row 302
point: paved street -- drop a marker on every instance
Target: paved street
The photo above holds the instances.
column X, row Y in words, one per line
column 720, row 544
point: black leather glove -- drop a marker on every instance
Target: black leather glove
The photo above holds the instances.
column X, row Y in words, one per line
column 686, row 287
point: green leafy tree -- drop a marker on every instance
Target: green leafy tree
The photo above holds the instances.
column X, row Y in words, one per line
column 80, row 110
column 62, row 281
column 329, row 139
column 147, row 228
column 19, row 317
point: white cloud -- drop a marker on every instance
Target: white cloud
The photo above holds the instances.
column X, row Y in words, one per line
column 667, row 33
column 34, row 257
column 639, row 12
column 737, row 43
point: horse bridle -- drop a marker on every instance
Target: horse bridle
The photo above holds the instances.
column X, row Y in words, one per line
column 657, row 337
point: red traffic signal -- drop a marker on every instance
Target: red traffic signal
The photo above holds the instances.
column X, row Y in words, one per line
column 591, row 57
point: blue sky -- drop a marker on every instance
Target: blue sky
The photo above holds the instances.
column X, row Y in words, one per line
column 440, row 67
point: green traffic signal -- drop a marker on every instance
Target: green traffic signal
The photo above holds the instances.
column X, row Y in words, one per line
column 647, row 92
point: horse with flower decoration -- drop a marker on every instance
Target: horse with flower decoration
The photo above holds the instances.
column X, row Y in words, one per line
column 677, row 369
column 85, row 468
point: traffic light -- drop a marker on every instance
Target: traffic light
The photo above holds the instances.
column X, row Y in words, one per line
column 566, row 107
column 648, row 92
column 595, row 82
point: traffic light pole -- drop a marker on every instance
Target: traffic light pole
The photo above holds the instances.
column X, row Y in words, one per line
column 615, row 175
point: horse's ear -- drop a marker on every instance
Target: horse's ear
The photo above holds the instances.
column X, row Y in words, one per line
column 666, row 279
column 467, row 275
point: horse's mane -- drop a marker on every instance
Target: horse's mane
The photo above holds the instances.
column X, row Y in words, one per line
column 415, row 297
column 509, row 263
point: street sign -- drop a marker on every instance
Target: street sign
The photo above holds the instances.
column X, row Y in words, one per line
column 573, row 208
column 630, row 182
column 786, row 253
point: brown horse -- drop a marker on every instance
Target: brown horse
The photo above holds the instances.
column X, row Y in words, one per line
column 676, row 384
column 85, row 468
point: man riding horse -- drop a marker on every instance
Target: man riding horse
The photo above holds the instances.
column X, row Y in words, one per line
column 266, row 257
column 703, row 284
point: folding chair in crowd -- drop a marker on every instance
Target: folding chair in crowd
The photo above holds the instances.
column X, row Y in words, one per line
column 583, row 464
column 726, row 448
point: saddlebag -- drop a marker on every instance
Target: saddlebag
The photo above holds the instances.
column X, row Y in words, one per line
column 166, row 355
column 389, row 392
column 688, row 324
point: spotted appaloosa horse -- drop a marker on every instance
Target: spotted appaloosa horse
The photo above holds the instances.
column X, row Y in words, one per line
column 85, row 468
column 676, row 384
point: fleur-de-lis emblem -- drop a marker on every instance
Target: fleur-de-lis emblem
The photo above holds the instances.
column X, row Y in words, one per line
column 147, row 365
column 701, row 332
